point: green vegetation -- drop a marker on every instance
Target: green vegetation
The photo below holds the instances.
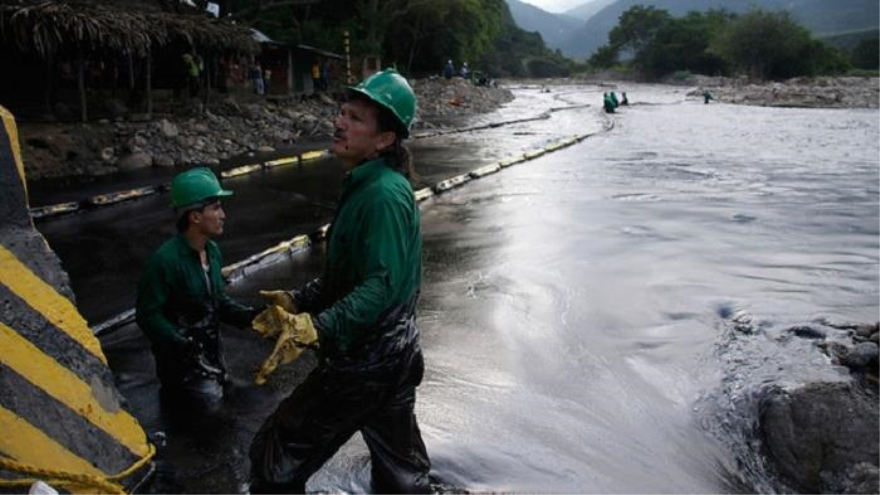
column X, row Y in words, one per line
column 772, row 45
column 866, row 54
column 416, row 36
column 764, row 45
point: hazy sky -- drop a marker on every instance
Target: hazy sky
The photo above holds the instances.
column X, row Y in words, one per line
column 556, row 5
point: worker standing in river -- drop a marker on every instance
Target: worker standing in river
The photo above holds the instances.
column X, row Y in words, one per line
column 360, row 313
column 181, row 299
column 707, row 96
column 607, row 104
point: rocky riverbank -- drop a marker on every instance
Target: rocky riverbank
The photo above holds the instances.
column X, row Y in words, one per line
column 227, row 128
column 799, row 405
column 805, row 92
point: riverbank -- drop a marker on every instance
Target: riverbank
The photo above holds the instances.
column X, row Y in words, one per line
column 230, row 127
column 802, row 92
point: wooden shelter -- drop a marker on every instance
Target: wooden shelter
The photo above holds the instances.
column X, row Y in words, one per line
column 94, row 45
column 291, row 64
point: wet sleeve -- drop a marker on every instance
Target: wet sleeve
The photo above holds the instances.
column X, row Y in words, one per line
column 152, row 299
column 235, row 313
column 380, row 251
column 231, row 312
column 308, row 298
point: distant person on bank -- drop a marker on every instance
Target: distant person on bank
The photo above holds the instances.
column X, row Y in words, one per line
column 449, row 70
column 316, row 77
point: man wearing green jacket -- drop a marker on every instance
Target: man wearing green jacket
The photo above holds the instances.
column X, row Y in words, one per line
column 181, row 299
column 362, row 312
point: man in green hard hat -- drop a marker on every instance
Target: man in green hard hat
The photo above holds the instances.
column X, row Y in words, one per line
column 360, row 312
column 181, row 299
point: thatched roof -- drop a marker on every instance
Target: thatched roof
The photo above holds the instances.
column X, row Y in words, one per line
column 49, row 26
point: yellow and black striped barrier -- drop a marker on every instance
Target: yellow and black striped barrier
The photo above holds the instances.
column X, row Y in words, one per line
column 60, row 413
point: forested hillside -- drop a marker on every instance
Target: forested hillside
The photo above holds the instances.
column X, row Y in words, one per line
column 820, row 16
column 416, row 36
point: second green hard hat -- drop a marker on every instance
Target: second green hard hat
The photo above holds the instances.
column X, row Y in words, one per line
column 390, row 90
column 195, row 186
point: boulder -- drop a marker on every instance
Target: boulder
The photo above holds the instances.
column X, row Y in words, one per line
column 135, row 161
column 862, row 355
column 163, row 160
column 108, row 154
column 820, row 432
column 168, row 129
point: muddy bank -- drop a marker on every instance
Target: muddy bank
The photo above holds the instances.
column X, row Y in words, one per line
column 805, row 92
column 229, row 127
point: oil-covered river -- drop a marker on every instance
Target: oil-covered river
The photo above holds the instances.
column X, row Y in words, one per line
column 572, row 304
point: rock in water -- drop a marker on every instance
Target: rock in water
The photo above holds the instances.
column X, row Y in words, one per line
column 820, row 434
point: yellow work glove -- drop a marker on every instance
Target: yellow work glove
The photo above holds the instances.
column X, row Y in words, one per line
column 270, row 322
column 280, row 298
column 294, row 333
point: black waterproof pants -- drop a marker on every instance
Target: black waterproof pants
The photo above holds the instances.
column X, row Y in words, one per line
column 193, row 374
column 326, row 410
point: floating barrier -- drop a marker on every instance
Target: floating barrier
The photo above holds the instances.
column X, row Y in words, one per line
column 451, row 183
column 303, row 242
column 484, row 171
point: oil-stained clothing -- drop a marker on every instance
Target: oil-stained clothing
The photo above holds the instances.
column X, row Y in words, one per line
column 180, row 307
column 370, row 359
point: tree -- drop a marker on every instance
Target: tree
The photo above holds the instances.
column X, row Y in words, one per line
column 681, row 44
column 634, row 33
column 605, row 57
column 433, row 31
column 768, row 45
column 637, row 28
column 866, row 55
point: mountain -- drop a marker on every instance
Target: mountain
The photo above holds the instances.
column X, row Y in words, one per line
column 820, row 16
column 589, row 9
column 554, row 28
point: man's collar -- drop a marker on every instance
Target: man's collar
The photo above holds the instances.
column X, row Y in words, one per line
column 366, row 170
column 184, row 246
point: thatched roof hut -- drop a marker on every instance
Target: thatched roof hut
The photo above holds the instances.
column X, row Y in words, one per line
column 112, row 35
column 132, row 27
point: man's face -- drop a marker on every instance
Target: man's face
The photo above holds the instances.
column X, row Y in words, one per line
column 209, row 220
column 357, row 136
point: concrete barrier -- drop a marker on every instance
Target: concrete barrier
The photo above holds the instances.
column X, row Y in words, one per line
column 61, row 416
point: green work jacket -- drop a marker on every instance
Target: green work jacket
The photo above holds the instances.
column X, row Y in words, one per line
column 173, row 299
column 374, row 258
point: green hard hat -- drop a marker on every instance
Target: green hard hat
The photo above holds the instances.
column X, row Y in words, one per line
column 195, row 186
column 390, row 90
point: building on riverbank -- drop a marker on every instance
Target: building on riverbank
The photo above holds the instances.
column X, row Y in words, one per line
column 84, row 59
